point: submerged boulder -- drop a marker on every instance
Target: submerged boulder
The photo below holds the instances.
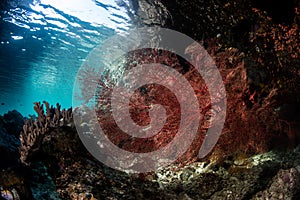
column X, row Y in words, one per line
column 12, row 122
column 8, row 148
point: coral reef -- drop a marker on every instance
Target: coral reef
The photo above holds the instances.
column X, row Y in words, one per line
column 39, row 139
column 37, row 131
column 257, row 54
column 248, row 107
column 258, row 58
column 151, row 94
column 67, row 171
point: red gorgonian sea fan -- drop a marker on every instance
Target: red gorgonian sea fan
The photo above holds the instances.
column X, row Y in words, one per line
column 246, row 129
column 145, row 97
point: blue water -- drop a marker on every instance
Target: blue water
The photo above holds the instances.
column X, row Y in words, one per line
column 43, row 44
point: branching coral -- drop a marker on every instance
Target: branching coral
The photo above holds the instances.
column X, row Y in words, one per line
column 35, row 131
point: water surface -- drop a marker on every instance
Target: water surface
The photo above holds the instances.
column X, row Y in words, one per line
column 43, row 44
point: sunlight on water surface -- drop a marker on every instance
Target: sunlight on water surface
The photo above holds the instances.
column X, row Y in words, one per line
column 44, row 42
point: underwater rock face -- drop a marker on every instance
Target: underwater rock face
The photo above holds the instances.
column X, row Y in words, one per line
column 11, row 125
column 41, row 183
column 13, row 122
column 149, row 13
column 9, row 151
column 285, row 185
